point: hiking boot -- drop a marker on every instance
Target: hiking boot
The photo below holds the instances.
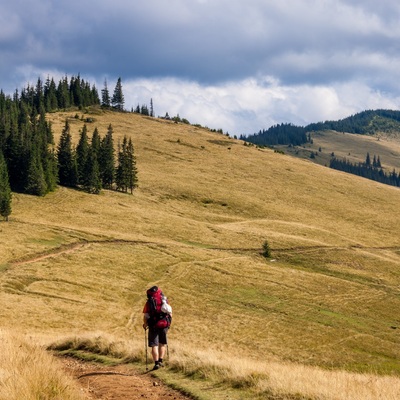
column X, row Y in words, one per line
column 156, row 366
column 160, row 364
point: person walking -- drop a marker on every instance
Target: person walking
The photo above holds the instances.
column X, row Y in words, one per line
column 157, row 318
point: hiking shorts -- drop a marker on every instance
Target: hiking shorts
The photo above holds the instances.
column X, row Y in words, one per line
column 157, row 336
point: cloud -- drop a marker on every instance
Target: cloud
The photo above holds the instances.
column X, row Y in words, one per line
column 251, row 64
column 246, row 106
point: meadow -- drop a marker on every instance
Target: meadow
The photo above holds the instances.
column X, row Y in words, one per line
column 351, row 147
column 317, row 320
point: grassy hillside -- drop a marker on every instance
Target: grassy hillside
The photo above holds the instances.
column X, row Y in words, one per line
column 352, row 147
column 78, row 264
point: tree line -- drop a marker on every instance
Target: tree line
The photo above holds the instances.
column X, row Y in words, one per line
column 362, row 123
column 278, row 134
column 368, row 169
column 31, row 163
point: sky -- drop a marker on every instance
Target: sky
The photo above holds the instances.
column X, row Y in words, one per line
column 235, row 65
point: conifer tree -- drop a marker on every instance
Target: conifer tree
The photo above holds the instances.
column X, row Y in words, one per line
column 50, row 168
column 368, row 160
column 117, row 100
column 63, row 95
column 144, row 110
column 67, row 166
column 131, row 166
column 126, row 175
column 105, row 96
column 82, row 151
column 92, row 180
column 107, row 159
column 5, row 190
column 50, row 95
column 35, row 181
column 151, row 108
column 96, row 142
column 120, row 172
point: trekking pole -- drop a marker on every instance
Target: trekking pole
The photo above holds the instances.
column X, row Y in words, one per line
column 145, row 347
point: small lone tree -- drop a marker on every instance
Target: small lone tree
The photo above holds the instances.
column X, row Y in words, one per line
column 266, row 251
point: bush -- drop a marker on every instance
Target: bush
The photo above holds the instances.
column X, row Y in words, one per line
column 266, row 250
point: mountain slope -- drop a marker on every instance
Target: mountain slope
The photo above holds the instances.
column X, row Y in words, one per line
column 380, row 124
column 195, row 226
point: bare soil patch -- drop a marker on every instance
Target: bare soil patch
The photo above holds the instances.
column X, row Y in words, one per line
column 118, row 382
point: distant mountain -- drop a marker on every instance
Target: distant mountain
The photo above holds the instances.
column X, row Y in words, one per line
column 364, row 123
column 367, row 122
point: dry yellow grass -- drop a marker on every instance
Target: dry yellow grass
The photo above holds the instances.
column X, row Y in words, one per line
column 74, row 263
column 28, row 372
column 352, row 147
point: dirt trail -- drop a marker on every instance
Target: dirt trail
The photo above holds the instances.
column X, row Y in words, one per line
column 118, row 383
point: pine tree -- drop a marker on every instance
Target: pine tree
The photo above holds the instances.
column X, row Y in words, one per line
column 5, row 190
column 92, row 180
column 144, row 110
column 50, row 95
column 63, row 95
column 35, row 182
column 117, row 100
column 120, row 179
column 151, row 108
column 67, row 166
column 131, row 166
column 105, row 96
column 368, row 160
column 126, row 175
column 82, row 151
column 50, row 168
column 107, row 159
column 96, row 142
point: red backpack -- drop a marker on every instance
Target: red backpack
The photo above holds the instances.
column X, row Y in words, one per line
column 157, row 318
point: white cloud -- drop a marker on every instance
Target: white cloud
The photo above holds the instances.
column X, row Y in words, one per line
column 246, row 106
column 239, row 66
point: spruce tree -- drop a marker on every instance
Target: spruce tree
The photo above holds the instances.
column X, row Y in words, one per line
column 131, row 166
column 107, row 159
column 35, row 182
column 105, row 96
column 82, row 151
column 5, row 190
column 120, row 178
column 126, row 175
column 92, row 180
column 368, row 160
column 117, row 100
column 67, row 166
column 50, row 168
column 151, row 108
column 50, row 95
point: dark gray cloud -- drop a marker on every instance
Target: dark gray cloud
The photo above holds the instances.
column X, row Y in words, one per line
column 215, row 43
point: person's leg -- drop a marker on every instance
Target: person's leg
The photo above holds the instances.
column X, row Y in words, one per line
column 161, row 352
column 154, row 343
column 155, row 353
column 162, row 347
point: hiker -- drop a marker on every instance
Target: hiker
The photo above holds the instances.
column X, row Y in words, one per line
column 157, row 318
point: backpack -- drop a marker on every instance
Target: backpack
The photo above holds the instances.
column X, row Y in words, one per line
column 159, row 309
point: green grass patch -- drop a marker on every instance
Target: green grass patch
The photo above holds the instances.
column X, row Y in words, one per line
column 91, row 357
